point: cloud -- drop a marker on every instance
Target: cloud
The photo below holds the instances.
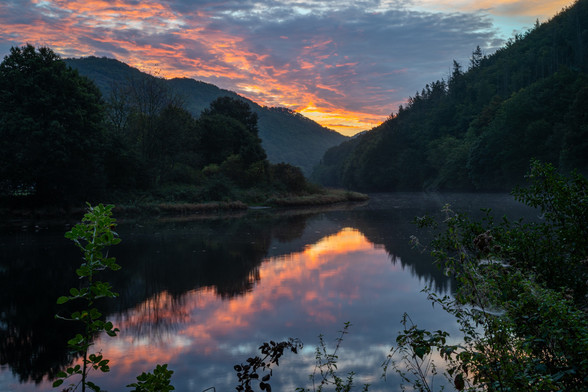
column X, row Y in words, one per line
column 357, row 60
column 345, row 64
column 536, row 9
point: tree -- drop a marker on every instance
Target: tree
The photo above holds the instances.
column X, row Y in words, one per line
column 149, row 97
column 229, row 127
column 175, row 141
column 476, row 58
column 50, row 127
column 234, row 108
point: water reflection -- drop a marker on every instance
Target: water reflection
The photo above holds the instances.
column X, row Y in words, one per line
column 339, row 278
column 202, row 295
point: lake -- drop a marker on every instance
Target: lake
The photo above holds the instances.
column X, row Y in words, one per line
column 203, row 293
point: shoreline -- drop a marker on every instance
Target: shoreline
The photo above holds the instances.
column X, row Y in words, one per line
column 40, row 215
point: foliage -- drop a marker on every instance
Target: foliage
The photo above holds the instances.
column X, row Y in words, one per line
column 521, row 300
column 560, row 245
column 93, row 236
column 155, row 135
column 158, row 381
column 290, row 177
column 234, row 108
column 325, row 369
column 51, row 128
column 271, row 354
column 324, row 374
column 178, row 158
column 414, row 349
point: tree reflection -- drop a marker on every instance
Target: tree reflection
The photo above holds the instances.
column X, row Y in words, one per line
column 161, row 262
column 34, row 271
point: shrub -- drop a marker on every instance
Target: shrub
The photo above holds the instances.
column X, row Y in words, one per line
column 521, row 297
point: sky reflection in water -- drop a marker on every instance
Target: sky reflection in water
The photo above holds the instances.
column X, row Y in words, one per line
column 203, row 295
column 342, row 277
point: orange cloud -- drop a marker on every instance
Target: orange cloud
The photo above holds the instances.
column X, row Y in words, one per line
column 228, row 55
column 344, row 122
column 535, row 8
column 308, row 71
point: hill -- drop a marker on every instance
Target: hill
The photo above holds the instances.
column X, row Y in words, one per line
column 479, row 129
column 286, row 135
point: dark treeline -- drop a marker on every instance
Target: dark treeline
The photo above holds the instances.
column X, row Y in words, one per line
column 479, row 129
column 63, row 143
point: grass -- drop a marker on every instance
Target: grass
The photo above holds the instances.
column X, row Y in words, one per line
column 331, row 196
column 170, row 208
column 140, row 205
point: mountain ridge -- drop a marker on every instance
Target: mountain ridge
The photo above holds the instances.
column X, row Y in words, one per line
column 286, row 136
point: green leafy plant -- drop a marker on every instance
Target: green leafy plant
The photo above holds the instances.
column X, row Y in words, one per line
column 325, row 370
column 94, row 236
column 414, row 349
column 158, row 381
column 271, row 353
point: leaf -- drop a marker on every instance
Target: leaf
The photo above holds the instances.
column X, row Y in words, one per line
column 420, row 351
column 459, row 382
column 61, row 300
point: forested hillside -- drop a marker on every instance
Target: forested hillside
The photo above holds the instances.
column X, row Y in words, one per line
column 63, row 144
column 479, row 129
column 286, row 136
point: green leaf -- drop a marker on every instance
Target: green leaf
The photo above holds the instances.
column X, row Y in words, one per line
column 420, row 351
column 95, row 314
column 61, row 300
column 57, row 383
column 459, row 382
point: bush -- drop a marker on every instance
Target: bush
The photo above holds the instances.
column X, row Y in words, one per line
column 289, row 177
column 521, row 298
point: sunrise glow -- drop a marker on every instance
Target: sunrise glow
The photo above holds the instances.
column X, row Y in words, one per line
column 346, row 67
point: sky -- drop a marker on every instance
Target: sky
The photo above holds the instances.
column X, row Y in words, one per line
column 346, row 64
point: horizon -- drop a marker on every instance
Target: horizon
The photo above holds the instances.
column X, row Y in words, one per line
column 347, row 67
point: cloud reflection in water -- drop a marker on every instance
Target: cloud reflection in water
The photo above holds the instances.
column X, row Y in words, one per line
column 340, row 278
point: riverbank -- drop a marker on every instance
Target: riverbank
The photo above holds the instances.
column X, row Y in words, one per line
column 330, row 196
column 131, row 208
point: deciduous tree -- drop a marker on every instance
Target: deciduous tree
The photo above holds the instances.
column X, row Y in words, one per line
column 50, row 128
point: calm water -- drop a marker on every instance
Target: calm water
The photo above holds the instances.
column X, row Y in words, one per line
column 203, row 294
